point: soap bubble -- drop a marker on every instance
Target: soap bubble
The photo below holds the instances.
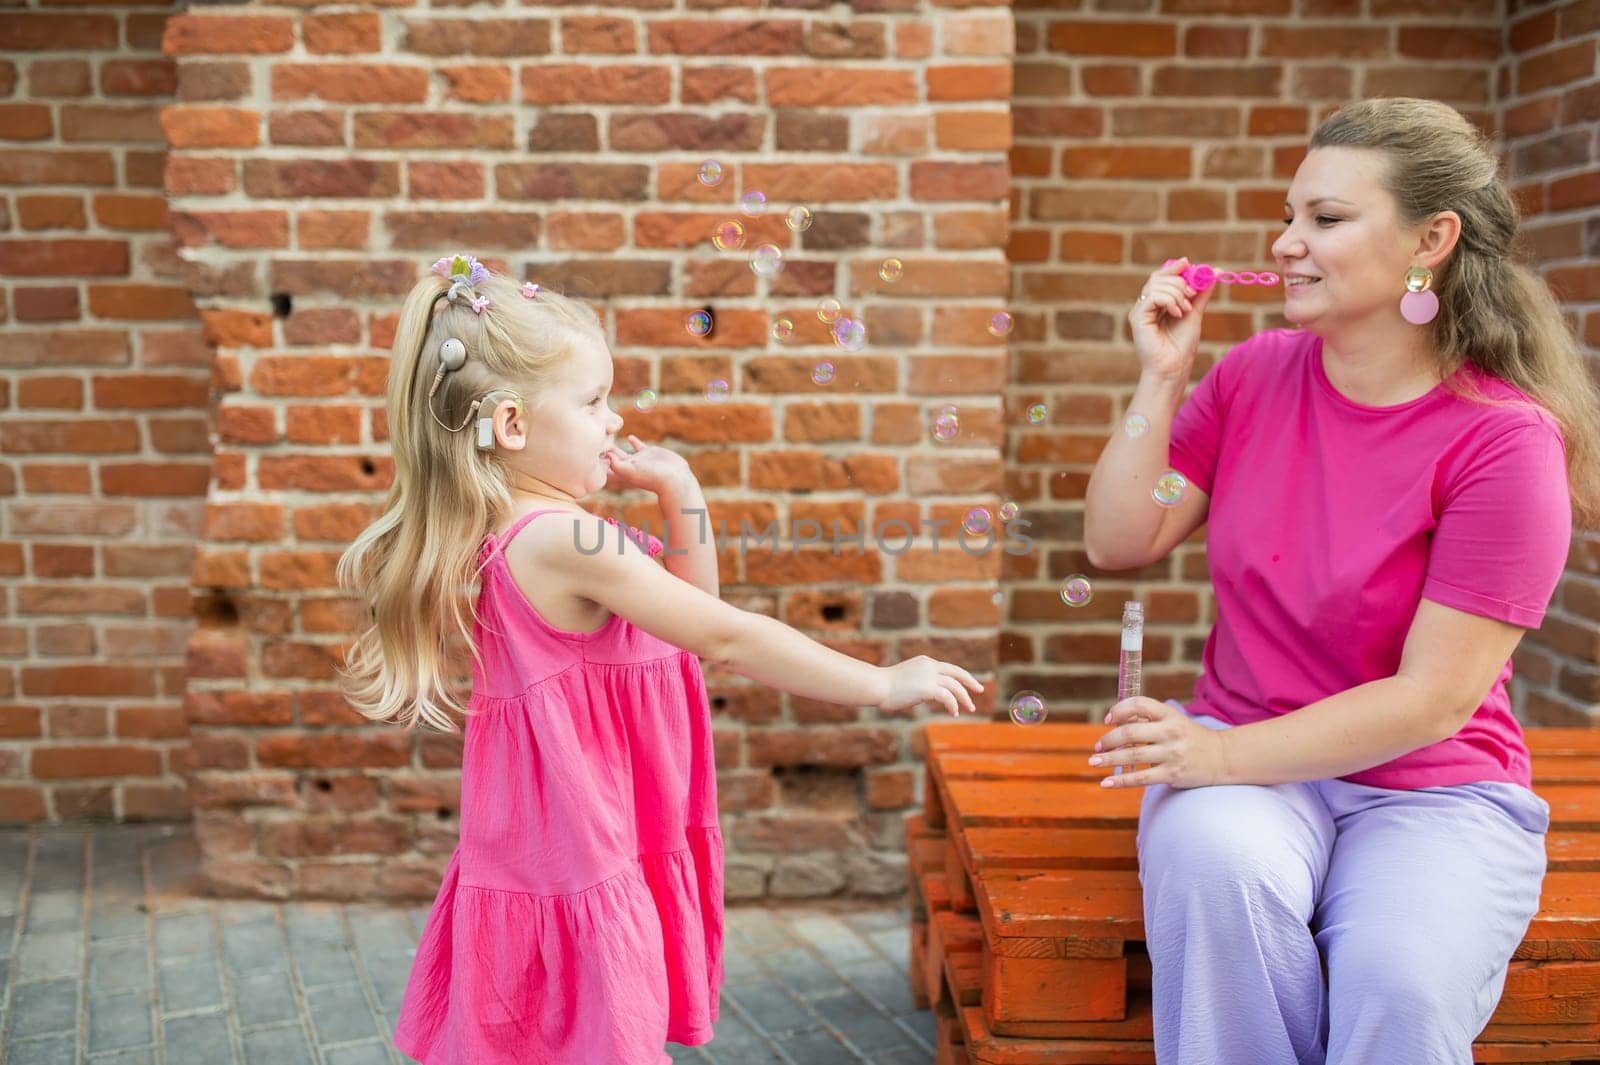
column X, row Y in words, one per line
column 645, row 400
column 728, row 235
column 849, row 333
column 822, row 373
column 716, row 390
column 782, row 329
column 1077, row 591
column 798, row 219
column 1027, row 708
column 946, row 425
column 710, row 172
column 766, row 260
column 1037, row 414
column 976, row 523
column 753, row 203
column 892, row 270
column 1136, row 425
column 699, row 323
column 1000, row 324
column 1169, row 488
column 997, row 598
column 1009, row 510
column 828, row 308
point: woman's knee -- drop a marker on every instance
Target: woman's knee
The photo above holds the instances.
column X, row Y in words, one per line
column 1216, row 858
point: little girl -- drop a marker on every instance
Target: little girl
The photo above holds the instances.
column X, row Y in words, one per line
column 580, row 917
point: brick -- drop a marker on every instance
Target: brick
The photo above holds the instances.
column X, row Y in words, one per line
column 323, row 425
column 839, row 87
column 1127, row 162
column 138, row 77
column 706, row 85
column 813, row 131
column 401, row 129
column 141, row 302
column 63, row 258
column 987, row 81
column 985, row 35
column 51, row 212
column 599, row 34
column 557, row 132
column 770, row 37
column 686, row 132
column 211, row 127
column 58, row 78
column 150, row 391
column 1106, row 37
column 554, row 181
column 317, row 129
column 25, row 122
column 1196, row 79
column 1450, row 42
column 221, row 80
column 25, row 32
column 1217, row 42
column 845, row 747
column 557, row 83
column 192, row 34
column 305, row 178
column 332, row 229
column 200, row 177
column 130, row 212
column 584, row 231
column 350, row 33
column 1558, row 66
column 478, row 84
column 973, row 130
column 516, row 38
column 479, row 229
column 350, row 83
column 56, row 168
column 45, row 304
column 940, row 181
column 58, row 561
column 1174, row 121
column 86, row 679
column 847, row 40
column 59, row 393
column 318, row 375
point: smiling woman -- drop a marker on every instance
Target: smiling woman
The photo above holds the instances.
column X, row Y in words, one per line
column 1389, row 492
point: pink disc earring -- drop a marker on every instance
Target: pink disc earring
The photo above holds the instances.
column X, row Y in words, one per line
column 1420, row 305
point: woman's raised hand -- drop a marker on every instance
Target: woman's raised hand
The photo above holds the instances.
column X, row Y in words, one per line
column 927, row 680
column 1166, row 322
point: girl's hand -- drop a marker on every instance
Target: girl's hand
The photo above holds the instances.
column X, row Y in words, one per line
column 927, row 680
column 1166, row 322
column 1174, row 748
column 653, row 468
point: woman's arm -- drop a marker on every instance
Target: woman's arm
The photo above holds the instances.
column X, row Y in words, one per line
column 1450, row 660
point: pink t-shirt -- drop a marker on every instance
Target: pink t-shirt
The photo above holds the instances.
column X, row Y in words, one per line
column 1330, row 520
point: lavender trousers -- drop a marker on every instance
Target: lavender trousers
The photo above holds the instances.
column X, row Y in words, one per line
column 1331, row 923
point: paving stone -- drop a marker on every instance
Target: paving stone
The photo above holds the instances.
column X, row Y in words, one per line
column 184, row 936
column 360, row 1054
column 190, row 986
column 47, row 954
column 277, row 1046
column 51, row 1050
column 44, row 1007
column 198, row 1039
column 121, row 966
column 835, row 941
column 254, row 945
column 119, row 1021
column 340, row 1014
column 265, row 997
column 770, row 1007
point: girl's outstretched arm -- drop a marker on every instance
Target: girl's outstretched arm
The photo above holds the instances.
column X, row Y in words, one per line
column 621, row 577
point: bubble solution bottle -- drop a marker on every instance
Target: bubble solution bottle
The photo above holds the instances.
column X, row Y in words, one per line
column 1131, row 667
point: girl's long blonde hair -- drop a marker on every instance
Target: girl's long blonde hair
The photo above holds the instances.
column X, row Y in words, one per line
column 413, row 568
column 1493, row 311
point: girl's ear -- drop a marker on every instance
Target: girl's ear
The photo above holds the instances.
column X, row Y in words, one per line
column 511, row 423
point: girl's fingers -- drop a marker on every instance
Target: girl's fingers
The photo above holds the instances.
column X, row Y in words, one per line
column 962, row 675
column 953, row 686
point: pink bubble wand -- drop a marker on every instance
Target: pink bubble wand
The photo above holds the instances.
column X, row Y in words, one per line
column 1202, row 276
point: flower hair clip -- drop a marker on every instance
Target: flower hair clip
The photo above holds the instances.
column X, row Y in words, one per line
column 530, row 290
column 462, row 268
column 480, row 304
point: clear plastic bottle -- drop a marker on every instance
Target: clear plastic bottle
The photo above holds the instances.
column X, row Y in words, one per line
column 1130, row 669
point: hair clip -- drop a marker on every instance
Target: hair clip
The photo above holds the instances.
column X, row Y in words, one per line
column 530, row 290
column 463, row 268
column 480, row 304
column 1202, row 276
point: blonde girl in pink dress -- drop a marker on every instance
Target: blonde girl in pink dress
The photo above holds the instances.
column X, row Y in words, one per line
column 580, row 917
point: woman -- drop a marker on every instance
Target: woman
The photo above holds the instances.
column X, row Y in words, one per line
column 1338, row 844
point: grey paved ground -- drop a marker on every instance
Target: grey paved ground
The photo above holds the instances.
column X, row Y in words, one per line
column 109, row 959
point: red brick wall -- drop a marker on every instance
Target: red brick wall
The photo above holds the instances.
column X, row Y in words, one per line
column 564, row 147
column 1551, row 117
column 104, row 451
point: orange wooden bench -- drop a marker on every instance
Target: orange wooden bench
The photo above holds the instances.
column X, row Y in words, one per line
column 1027, row 934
